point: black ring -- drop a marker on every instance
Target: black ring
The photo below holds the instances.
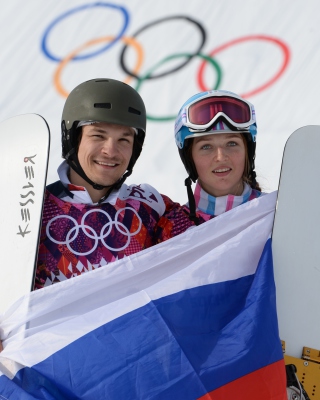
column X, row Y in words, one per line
column 203, row 40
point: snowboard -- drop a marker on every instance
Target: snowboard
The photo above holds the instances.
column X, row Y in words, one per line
column 25, row 141
column 296, row 256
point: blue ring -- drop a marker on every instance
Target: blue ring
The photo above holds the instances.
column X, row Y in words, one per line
column 47, row 31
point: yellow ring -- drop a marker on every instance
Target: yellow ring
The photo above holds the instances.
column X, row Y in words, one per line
column 128, row 40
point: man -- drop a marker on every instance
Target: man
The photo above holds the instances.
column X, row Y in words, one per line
column 91, row 217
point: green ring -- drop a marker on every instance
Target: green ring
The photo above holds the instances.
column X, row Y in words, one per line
column 143, row 78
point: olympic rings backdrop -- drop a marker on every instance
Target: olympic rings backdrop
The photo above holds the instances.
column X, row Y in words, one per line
column 169, row 50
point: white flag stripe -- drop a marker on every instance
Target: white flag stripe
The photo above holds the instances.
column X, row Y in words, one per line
column 153, row 262
column 228, row 261
column 15, row 356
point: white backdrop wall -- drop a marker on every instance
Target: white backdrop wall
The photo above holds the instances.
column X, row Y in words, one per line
column 266, row 50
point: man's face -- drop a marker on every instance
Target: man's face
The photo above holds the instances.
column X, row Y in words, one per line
column 105, row 151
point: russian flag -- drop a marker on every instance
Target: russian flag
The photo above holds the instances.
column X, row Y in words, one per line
column 191, row 318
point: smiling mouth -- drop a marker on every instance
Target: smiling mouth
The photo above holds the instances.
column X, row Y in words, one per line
column 106, row 164
column 222, row 170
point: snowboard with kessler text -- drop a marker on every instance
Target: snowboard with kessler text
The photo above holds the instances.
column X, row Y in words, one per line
column 25, row 141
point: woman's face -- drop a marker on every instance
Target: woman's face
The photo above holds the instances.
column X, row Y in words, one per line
column 220, row 162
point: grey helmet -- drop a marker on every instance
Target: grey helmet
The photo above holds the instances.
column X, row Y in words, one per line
column 102, row 100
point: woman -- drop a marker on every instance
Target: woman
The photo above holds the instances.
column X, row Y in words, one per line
column 215, row 132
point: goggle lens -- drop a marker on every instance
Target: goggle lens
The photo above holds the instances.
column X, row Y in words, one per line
column 202, row 112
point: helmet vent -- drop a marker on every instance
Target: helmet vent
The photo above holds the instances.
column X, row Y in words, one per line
column 134, row 111
column 102, row 105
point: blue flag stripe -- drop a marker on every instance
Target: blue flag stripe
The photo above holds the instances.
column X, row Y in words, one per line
column 183, row 345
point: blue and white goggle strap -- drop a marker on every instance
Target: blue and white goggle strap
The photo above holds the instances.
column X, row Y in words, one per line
column 180, row 129
column 253, row 127
column 253, row 131
column 181, row 135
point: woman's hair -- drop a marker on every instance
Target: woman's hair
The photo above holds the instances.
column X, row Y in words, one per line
column 247, row 173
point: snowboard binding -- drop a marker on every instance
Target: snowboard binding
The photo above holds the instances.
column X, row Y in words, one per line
column 295, row 389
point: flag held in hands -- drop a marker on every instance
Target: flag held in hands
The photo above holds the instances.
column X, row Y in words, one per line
column 191, row 318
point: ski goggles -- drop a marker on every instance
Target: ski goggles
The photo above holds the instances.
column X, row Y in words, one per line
column 200, row 114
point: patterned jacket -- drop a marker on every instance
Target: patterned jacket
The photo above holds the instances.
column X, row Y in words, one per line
column 77, row 238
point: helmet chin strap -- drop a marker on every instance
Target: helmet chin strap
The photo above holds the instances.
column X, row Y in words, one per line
column 116, row 185
column 192, row 204
column 73, row 162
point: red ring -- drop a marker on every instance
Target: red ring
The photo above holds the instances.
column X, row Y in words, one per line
column 282, row 45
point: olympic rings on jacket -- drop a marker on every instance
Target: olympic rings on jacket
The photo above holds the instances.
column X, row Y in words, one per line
column 104, row 232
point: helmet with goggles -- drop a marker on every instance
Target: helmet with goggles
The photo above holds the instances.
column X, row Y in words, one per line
column 101, row 100
column 214, row 112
